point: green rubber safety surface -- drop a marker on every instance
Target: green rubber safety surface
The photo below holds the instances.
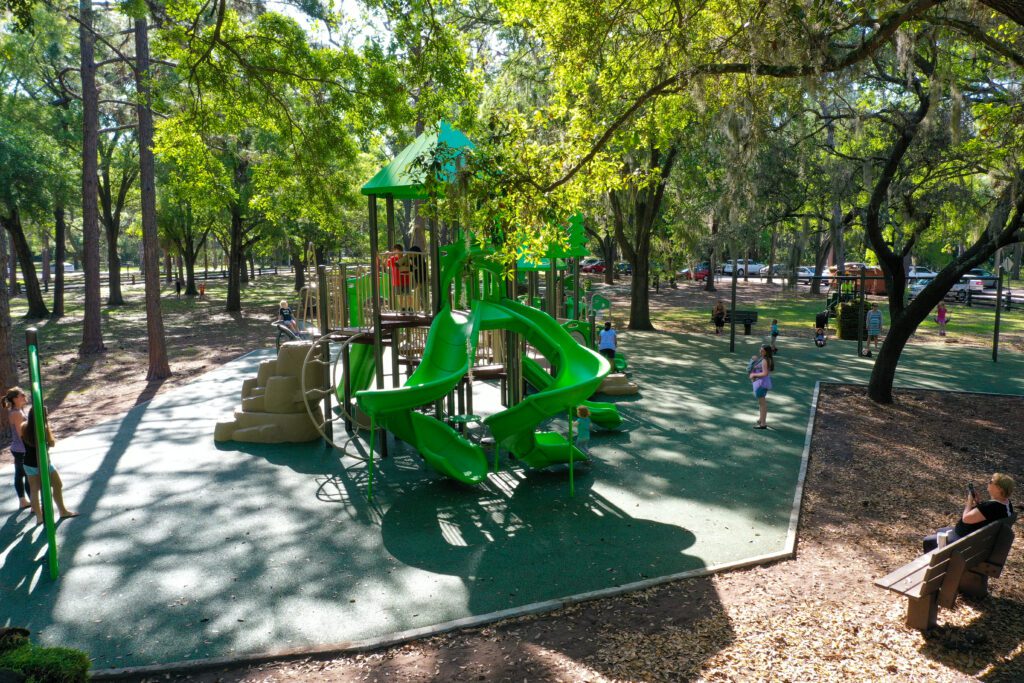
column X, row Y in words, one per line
column 186, row 550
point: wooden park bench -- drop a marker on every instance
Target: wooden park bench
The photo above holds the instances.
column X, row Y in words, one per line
column 963, row 566
column 745, row 318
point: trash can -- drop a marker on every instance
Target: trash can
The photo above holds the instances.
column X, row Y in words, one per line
column 821, row 320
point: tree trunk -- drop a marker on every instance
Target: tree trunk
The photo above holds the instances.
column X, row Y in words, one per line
column 300, row 270
column 608, row 253
column 45, row 261
column 819, row 262
column 639, row 304
column 709, row 281
column 159, row 367
column 771, row 255
column 234, row 298
column 8, row 364
column 19, row 245
column 92, row 335
column 60, row 253
column 114, row 296
column 13, row 288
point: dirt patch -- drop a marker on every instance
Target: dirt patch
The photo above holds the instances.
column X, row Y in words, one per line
column 879, row 479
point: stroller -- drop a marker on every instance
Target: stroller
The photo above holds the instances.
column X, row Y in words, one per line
column 821, row 325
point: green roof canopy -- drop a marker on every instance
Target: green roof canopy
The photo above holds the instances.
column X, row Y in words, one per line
column 395, row 178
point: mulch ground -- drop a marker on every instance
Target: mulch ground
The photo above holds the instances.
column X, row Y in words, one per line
column 879, row 479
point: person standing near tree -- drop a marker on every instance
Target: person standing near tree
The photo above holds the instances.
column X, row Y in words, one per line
column 874, row 326
column 28, row 437
column 942, row 317
column 14, row 402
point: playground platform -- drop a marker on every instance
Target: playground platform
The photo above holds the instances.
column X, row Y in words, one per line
column 187, row 550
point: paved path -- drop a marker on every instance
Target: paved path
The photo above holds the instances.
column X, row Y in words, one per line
column 187, row 550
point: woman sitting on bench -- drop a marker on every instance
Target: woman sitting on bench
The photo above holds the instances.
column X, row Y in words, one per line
column 977, row 515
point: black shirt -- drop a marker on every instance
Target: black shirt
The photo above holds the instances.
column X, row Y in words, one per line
column 31, row 456
column 991, row 509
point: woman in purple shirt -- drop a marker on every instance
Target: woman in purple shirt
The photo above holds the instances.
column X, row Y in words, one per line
column 14, row 402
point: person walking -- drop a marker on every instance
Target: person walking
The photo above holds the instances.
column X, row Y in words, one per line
column 718, row 316
column 942, row 317
column 775, row 335
column 760, row 371
column 874, row 327
column 14, row 402
column 609, row 341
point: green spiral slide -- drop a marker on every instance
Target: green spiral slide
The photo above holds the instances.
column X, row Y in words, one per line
column 604, row 415
column 579, row 373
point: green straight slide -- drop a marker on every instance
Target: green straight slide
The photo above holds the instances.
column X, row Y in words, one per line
column 450, row 344
column 362, row 369
column 604, row 415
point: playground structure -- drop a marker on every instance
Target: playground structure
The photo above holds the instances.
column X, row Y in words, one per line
column 448, row 316
column 273, row 406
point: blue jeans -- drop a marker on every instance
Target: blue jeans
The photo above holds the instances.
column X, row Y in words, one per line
column 20, row 477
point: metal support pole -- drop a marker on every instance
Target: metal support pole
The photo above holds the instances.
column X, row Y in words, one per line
column 389, row 205
column 378, row 342
column 732, row 313
column 860, row 317
column 552, row 290
column 576, row 288
column 435, row 266
column 999, row 305
column 325, row 347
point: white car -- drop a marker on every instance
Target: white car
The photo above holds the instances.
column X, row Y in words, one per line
column 775, row 270
column 805, row 274
column 958, row 291
column 920, row 271
column 743, row 267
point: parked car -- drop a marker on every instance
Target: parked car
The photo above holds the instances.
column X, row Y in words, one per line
column 597, row 267
column 775, row 269
column 989, row 280
column 804, row 274
column 698, row 272
column 919, row 272
column 958, row 291
column 743, row 267
column 624, row 268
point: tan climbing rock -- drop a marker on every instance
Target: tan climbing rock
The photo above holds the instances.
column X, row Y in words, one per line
column 273, row 410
